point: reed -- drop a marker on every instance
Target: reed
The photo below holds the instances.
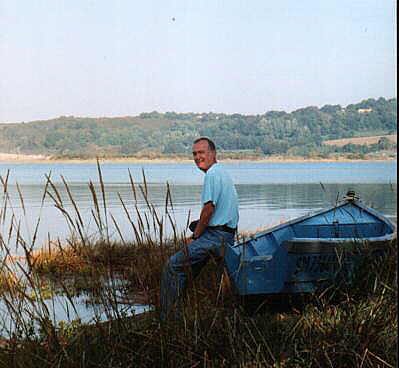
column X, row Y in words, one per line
column 345, row 325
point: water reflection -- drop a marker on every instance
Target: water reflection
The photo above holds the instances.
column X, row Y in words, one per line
column 260, row 204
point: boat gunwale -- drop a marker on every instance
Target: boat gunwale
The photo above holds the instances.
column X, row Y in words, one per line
column 344, row 202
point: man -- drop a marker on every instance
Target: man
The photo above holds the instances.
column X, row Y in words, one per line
column 216, row 227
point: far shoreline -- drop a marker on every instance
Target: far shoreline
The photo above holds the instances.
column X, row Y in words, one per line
column 7, row 158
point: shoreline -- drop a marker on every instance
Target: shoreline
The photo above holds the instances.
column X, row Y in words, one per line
column 9, row 158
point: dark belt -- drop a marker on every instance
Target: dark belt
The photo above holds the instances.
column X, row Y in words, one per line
column 223, row 228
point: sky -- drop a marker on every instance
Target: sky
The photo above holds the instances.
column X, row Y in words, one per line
column 123, row 57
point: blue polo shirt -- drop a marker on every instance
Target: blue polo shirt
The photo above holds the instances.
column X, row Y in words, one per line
column 219, row 189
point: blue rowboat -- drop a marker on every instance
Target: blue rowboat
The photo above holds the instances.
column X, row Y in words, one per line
column 306, row 253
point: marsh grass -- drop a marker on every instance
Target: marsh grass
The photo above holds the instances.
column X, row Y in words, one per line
column 341, row 326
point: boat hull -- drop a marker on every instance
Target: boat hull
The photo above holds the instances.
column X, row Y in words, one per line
column 310, row 252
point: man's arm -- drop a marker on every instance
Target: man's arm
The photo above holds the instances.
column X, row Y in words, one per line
column 205, row 217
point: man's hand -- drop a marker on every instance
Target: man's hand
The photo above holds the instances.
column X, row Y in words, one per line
column 188, row 240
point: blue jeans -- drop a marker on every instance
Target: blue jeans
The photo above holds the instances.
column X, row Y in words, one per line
column 192, row 257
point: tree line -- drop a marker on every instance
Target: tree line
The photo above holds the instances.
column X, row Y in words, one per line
column 298, row 133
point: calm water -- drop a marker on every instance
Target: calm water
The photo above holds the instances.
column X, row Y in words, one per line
column 186, row 174
column 269, row 193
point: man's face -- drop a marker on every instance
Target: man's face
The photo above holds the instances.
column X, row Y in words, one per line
column 204, row 158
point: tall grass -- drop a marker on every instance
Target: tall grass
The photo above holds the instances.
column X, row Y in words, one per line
column 342, row 326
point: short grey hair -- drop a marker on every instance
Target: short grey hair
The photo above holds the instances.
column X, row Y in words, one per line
column 211, row 144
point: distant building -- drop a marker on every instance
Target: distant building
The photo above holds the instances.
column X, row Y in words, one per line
column 364, row 111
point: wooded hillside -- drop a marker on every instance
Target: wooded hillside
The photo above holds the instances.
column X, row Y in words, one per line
column 299, row 133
